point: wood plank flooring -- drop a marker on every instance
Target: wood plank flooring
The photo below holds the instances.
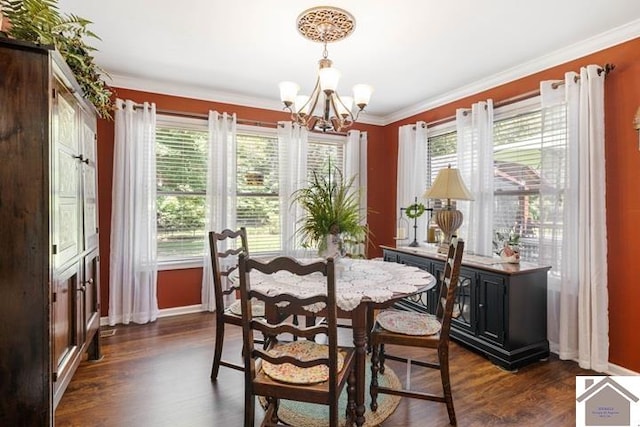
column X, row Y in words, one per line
column 158, row 375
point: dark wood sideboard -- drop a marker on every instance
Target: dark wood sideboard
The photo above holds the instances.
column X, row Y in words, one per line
column 501, row 307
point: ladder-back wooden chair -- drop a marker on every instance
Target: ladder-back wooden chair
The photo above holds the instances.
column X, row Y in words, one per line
column 224, row 262
column 402, row 328
column 300, row 370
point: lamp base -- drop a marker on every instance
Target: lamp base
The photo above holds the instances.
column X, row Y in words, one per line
column 449, row 220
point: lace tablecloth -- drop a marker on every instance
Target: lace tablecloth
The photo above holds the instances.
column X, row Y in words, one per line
column 379, row 281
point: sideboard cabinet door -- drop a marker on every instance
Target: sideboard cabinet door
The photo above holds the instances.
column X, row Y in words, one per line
column 492, row 313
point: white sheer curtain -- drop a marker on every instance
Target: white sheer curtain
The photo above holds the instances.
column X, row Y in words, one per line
column 573, row 214
column 133, row 269
column 356, row 164
column 293, row 147
column 220, row 208
column 412, row 174
column 475, row 162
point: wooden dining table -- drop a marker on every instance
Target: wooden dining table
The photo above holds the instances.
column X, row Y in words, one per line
column 361, row 287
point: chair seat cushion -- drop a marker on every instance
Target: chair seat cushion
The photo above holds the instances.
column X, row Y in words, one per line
column 408, row 323
column 302, row 350
column 257, row 307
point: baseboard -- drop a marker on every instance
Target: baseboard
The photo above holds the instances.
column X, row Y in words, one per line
column 612, row 370
column 619, row 370
column 167, row 312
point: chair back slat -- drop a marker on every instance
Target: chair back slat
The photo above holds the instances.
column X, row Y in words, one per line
column 219, row 248
column 286, row 328
column 258, row 353
column 288, row 298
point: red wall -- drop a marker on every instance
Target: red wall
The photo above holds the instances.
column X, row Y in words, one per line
column 622, row 98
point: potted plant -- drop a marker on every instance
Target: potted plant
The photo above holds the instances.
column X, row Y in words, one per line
column 331, row 213
column 39, row 21
column 506, row 245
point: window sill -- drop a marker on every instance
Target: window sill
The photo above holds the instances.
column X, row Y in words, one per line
column 180, row 264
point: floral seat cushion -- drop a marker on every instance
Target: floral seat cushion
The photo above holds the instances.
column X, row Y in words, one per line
column 301, row 350
column 408, row 323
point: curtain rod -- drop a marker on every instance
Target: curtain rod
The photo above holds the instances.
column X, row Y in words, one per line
column 606, row 70
column 206, row 116
column 239, row 121
column 501, row 103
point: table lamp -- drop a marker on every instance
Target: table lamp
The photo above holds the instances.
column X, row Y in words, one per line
column 448, row 185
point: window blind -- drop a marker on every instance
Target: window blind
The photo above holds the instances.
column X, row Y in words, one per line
column 321, row 153
column 258, row 205
column 181, row 177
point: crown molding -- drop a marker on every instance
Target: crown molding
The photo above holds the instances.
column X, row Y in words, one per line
column 585, row 47
column 190, row 91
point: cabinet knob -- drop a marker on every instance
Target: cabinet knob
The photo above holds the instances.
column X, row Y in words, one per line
column 481, row 305
column 90, row 281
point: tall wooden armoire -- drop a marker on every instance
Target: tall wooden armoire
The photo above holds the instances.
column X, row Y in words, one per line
column 49, row 262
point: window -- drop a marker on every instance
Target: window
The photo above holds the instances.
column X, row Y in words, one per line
column 181, row 184
column 518, row 146
column 258, row 203
column 181, row 171
column 516, row 158
column 258, row 198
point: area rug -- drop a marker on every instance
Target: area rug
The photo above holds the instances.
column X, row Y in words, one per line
column 301, row 414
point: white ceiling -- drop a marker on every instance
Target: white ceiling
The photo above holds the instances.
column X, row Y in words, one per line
column 415, row 53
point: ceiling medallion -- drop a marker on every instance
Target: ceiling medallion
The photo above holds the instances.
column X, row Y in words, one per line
column 326, row 24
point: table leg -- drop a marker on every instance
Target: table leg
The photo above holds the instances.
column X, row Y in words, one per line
column 359, row 325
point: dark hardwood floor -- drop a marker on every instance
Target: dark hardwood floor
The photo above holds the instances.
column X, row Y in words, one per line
column 158, row 375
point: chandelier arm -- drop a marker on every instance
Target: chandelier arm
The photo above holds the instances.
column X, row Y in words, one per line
column 336, row 118
column 337, row 125
column 355, row 118
column 349, row 117
column 313, row 99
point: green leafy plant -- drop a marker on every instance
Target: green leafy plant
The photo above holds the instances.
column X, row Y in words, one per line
column 509, row 238
column 330, row 206
column 39, row 21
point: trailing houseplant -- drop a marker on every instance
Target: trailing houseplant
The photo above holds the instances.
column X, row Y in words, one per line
column 331, row 209
column 39, row 21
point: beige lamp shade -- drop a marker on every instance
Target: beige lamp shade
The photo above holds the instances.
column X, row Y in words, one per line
column 448, row 185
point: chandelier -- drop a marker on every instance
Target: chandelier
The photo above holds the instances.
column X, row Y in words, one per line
column 325, row 24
